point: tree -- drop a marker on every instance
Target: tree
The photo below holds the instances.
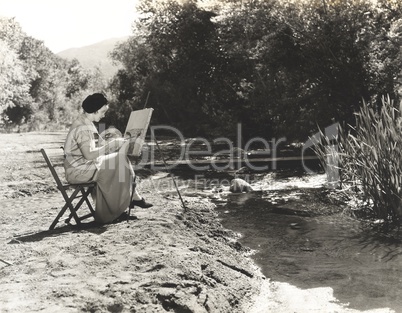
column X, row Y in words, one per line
column 279, row 68
column 38, row 88
column 175, row 57
column 15, row 101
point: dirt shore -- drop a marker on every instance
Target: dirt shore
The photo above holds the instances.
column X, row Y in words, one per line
column 166, row 259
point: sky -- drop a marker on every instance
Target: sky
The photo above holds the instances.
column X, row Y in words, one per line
column 64, row 24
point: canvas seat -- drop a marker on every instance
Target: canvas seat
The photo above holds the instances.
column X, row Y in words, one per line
column 74, row 195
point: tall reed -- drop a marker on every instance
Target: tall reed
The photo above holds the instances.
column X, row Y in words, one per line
column 370, row 160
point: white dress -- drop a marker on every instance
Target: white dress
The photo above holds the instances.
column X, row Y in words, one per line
column 112, row 172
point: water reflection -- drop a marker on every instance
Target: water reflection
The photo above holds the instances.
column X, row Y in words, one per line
column 297, row 242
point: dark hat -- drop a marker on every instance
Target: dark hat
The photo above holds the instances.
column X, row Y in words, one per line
column 94, row 102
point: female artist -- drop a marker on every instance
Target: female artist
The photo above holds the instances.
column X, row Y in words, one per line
column 107, row 164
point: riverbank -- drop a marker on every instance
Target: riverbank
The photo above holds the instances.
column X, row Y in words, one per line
column 166, row 259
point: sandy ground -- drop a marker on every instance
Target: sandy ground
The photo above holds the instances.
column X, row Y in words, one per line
column 165, row 259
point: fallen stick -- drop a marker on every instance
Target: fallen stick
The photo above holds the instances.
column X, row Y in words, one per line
column 238, row 269
column 5, row 262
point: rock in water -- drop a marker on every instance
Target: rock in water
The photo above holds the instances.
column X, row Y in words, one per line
column 239, row 185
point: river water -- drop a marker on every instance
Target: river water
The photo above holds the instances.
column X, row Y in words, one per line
column 301, row 238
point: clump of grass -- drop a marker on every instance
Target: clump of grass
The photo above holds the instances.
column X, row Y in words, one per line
column 370, row 161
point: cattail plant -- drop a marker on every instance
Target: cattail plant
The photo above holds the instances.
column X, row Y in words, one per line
column 370, row 159
column 373, row 159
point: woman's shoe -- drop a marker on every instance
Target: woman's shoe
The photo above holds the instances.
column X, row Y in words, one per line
column 141, row 203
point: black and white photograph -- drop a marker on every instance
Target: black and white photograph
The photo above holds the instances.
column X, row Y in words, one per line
column 201, row 156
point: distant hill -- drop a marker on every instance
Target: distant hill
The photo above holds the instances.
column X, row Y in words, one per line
column 95, row 55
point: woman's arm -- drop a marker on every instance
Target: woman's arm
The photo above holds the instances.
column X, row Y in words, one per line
column 91, row 152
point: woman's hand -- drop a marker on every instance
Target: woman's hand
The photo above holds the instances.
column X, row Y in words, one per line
column 116, row 144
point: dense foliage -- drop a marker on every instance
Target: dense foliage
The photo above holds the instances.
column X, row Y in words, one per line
column 279, row 68
column 38, row 89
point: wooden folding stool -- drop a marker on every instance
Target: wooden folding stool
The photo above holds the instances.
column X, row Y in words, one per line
column 70, row 193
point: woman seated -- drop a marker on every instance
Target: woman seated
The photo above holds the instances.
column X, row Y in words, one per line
column 107, row 165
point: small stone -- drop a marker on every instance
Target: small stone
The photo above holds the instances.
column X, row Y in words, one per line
column 294, row 226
